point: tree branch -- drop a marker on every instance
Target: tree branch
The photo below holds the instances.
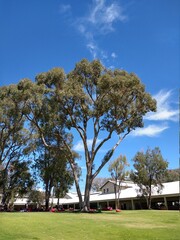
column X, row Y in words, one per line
column 109, row 155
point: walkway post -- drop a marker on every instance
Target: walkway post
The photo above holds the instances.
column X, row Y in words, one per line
column 132, row 204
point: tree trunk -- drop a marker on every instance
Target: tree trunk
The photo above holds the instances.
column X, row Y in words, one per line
column 149, row 197
column 149, row 201
column 118, row 198
column 118, row 203
column 79, row 194
column 47, row 196
column 4, row 194
column 58, row 202
column 4, row 201
column 86, row 206
column 47, row 203
column 115, row 193
column 77, row 185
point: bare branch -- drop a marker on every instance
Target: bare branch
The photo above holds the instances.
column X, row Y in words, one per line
column 109, row 155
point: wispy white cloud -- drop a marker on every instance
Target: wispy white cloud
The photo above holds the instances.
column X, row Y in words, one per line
column 165, row 111
column 92, row 47
column 100, row 20
column 149, row 131
column 79, row 147
column 113, row 55
column 103, row 15
column 64, row 8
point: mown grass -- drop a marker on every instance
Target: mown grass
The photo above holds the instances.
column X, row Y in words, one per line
column 127, row 225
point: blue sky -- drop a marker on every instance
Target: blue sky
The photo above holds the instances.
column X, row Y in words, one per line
column 140, row 36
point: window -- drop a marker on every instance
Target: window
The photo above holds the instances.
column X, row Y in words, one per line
column 107, row 190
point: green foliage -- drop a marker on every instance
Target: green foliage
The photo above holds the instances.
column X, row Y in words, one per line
column 36, row 197
column 172, row 175
column 53, row 170
column 63, row 181
column 13, row 137
column 14, row 144
column 44, row 110
column 90, row 97
column 16, row 181
column 150, row 167
column 116, row 99
column 117, row 168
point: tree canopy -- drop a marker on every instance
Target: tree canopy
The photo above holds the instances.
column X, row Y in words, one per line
column 14, row 143
column 54, row 172
column 89, row 97
column 118, row 171
column 91, row 100
column 172, row 175
column 16, row 181
column 150, row 167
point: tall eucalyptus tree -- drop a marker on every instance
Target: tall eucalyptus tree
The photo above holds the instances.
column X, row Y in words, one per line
column 14, row 138
column 96, row 103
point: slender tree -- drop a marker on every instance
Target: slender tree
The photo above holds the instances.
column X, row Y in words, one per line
column 14, row 138
column 36, row 198
column 18, row 181
column 149, row 167
column 117, row 168
column 42, row 110
column 54, row 173
column 63, row 181
column 90, row 100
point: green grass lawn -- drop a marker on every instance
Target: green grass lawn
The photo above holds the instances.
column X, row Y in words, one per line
column 127, row 225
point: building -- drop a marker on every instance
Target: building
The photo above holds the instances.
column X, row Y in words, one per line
column 167, row 198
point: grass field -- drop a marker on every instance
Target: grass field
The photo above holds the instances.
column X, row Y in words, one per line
column 127, row 225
